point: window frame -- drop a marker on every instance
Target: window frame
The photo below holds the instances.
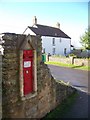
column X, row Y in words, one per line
column 53, row 41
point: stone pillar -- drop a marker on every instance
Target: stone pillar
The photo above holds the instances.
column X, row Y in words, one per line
column 72, row 59
column 10, row 77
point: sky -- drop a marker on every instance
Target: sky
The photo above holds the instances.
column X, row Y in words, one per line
column 16, row 15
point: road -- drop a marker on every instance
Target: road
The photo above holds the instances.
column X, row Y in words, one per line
column 75, row 77
column 79, row 79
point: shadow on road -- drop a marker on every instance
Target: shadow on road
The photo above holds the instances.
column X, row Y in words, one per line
column 78, row 79
column 80, row 108
column 72, row 108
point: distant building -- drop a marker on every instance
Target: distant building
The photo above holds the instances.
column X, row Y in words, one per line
column 54, row 40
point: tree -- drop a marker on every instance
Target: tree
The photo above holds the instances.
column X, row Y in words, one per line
column 85, row 39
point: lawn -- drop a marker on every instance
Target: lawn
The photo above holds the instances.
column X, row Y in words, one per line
column 69, row 65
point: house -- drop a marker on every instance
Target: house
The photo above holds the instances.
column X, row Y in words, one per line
column 54, row 40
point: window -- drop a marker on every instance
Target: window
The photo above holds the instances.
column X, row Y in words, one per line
column 54, row 51
column 60, row 40
column 53, row 41
column 65, row 49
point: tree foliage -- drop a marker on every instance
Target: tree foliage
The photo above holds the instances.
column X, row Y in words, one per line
column 85, row 39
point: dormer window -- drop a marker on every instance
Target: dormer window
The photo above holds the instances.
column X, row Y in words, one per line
column 53, row 41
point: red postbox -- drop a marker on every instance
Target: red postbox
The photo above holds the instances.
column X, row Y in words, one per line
column 28, row 71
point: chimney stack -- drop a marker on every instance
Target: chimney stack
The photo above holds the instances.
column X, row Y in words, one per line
column 58, row 25
column 34, row 20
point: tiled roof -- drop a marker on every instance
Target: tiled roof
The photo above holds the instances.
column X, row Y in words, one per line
column 43, row 30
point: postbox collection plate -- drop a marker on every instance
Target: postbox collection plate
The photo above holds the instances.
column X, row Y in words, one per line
column 27, row 64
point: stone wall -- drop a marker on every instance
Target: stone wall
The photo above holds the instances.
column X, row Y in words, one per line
column 50, row 92
column 76, row 61
column 10, row 75
column 59, row 59
column 83, row 61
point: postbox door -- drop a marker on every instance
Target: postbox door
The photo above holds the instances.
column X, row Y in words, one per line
column 28, row 71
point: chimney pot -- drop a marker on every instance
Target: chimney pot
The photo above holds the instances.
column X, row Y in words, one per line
column 34, row 20
column 58, row 25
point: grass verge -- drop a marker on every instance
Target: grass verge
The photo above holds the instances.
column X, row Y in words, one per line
column 63, row 108
column 69, row 65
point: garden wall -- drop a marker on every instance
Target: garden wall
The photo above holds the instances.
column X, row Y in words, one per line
column 76, row 61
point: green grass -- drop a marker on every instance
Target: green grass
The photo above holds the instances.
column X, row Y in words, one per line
column 63, row 108
column 69, row 65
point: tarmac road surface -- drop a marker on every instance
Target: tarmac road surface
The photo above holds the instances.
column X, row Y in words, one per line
column 75, row 77
column 80, row 80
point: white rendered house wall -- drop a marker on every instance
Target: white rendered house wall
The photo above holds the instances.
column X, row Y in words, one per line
column 29, row 31
column 59, row 46
column 47, row 44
